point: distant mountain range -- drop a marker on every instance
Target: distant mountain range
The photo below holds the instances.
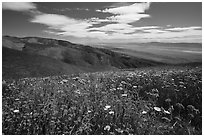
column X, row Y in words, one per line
column 170, row 53
column 37, row 57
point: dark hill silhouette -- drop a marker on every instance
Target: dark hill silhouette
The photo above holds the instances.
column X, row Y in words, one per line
column 36, row 57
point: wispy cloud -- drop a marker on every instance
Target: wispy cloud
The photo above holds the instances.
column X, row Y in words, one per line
column 153, row 31
column 194, row 52
column 184, row 28
column 116, row 32
column 85, row 9
column 128, row 13
column 147, row 27
column 18, row 6
column 68, row 26
column 130, row 9
column 118, row 29
column 164, row 35
column 53, row 20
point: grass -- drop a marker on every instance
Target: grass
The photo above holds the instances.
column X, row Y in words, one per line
column 157, row 100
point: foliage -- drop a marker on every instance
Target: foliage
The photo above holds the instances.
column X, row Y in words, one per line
column 145, row 101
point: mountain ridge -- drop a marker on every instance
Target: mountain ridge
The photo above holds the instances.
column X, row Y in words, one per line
column 74, row 57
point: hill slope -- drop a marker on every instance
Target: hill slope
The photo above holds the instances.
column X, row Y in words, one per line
column 33, row 56
column 16, row 64
column 157, row 100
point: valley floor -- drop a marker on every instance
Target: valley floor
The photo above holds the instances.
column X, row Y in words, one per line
column 156, row 100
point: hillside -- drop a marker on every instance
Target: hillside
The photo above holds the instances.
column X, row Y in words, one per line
column 34, row 56
column 16, row 64
column 150, row 101
column 126, row 96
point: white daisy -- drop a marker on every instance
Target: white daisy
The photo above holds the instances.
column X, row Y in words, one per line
column 157, row 109
column 16, row 111
column 107, row 106
column 111, row 112
column 124, row 95
column 107, row 127
column 144, row 112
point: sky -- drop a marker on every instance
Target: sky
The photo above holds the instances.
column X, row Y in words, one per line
column 105, row 22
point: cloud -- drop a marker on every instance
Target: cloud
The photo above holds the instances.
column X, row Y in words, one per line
column 98, row 10
column 115, row 32
column 66, row 25
column 154, row 31
column 18, row 6
column 128, row 18
column 184, row 28
column 128, row 13
column 162, row 35
column 70, row 9
column 194, row 52
column 147, row 27
column 117, row 29
column 130, row 9
column 53, row 20
column 86, row 9
column 124, row 28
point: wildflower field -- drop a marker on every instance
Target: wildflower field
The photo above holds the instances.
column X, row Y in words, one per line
column 157, row 100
